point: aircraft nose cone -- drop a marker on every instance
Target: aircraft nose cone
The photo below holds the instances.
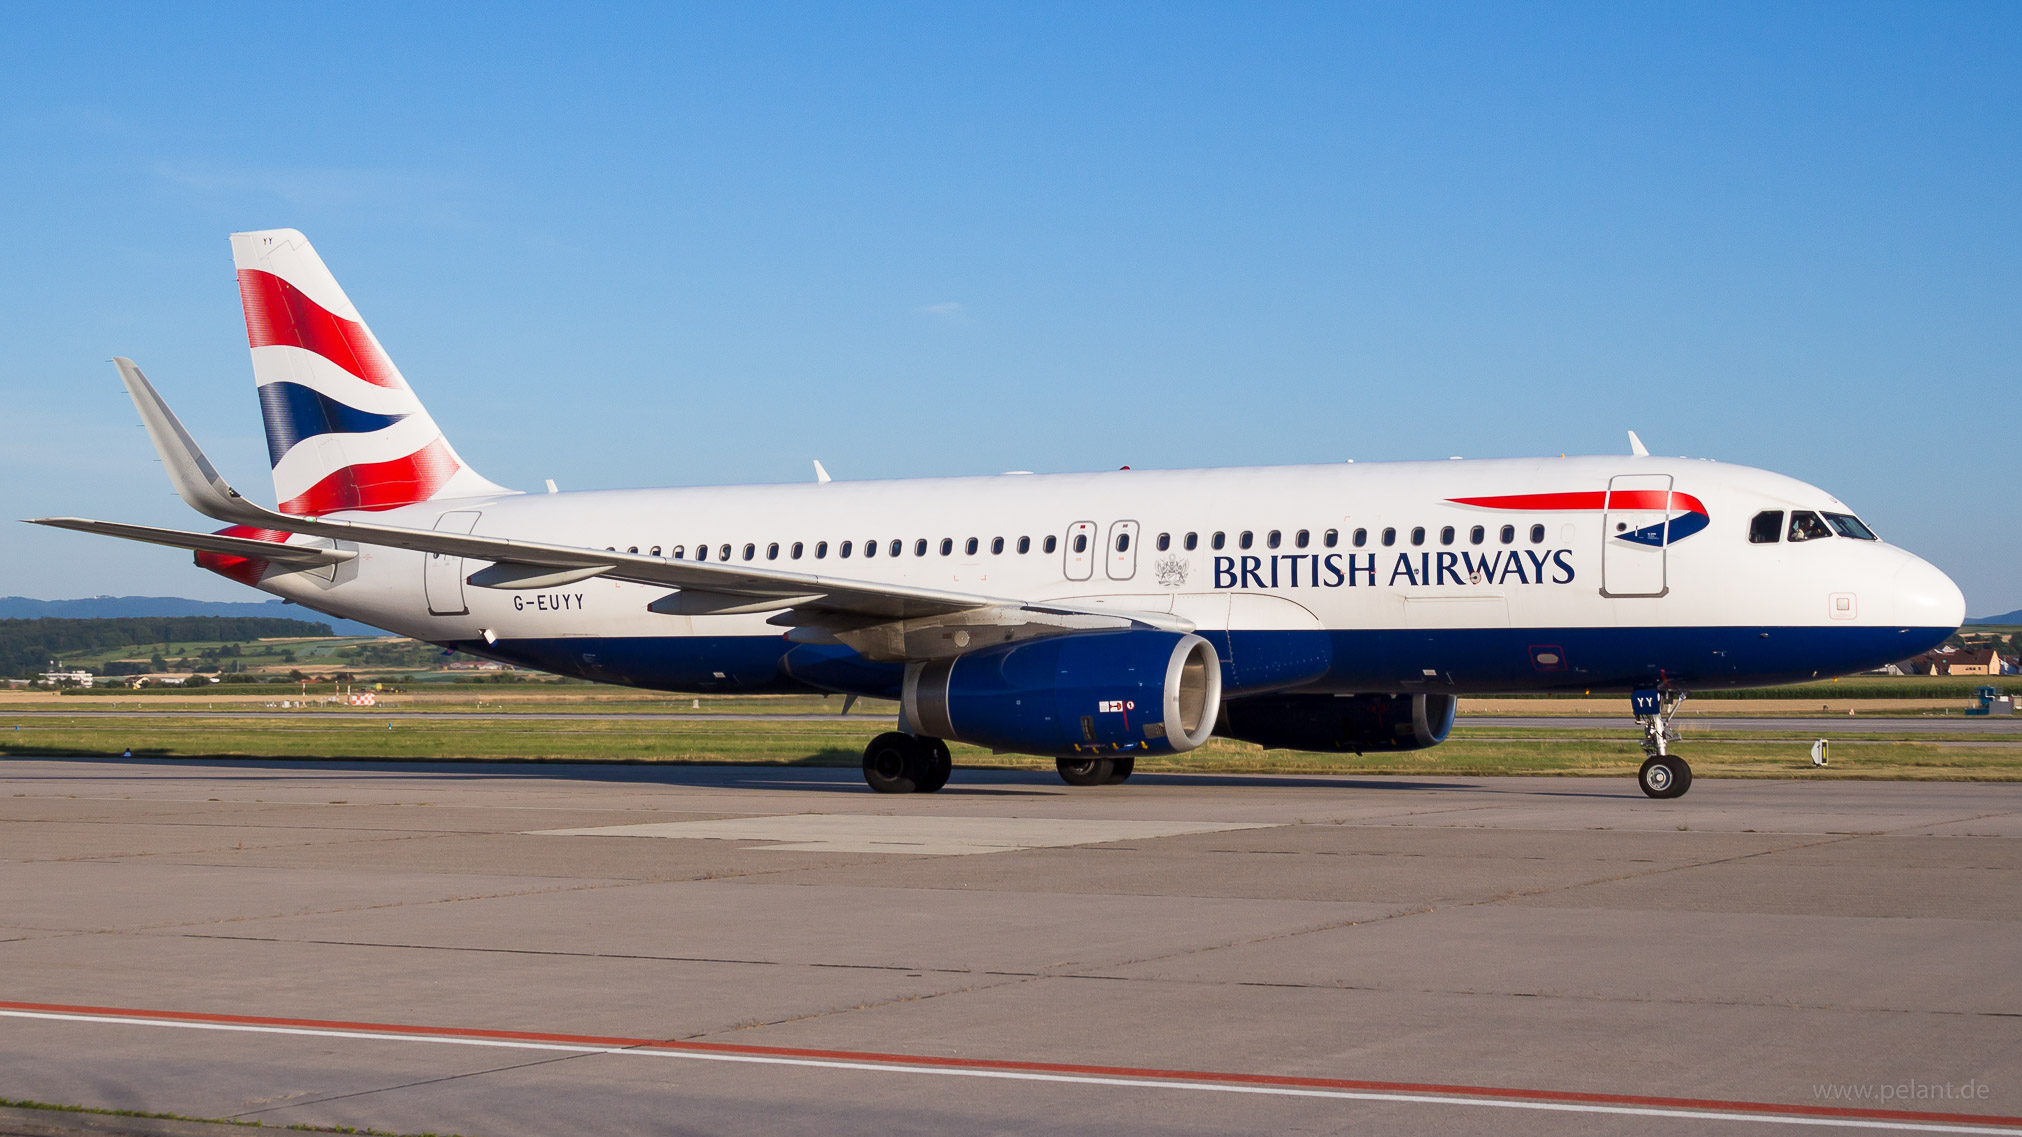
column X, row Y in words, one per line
column 1927, row 598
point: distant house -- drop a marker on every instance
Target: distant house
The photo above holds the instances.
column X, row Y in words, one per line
column 57, row 678
column 1973, row 659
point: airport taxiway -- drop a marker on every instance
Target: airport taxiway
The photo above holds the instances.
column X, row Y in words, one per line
column 509, row 949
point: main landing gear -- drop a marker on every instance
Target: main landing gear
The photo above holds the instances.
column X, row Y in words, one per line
column 1664, row 774
column 900, row 763
column 1094, row 771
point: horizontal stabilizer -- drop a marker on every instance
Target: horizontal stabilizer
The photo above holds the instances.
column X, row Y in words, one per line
column 300, row 556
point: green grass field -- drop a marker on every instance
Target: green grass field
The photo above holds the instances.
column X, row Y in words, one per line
column 362, row 735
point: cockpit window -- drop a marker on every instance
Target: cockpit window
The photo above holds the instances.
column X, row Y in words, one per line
column 1767, row 528
column 1847, row 525
column 1805, row 526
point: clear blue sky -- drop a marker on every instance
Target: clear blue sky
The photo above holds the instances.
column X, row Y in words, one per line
column 702, row 244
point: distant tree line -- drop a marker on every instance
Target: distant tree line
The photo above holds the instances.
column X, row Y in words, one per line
column 27, row 646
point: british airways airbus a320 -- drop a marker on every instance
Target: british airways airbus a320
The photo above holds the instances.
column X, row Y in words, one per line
column 1092, row 618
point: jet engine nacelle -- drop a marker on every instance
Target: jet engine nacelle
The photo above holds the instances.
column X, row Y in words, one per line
column 1340, row 723
column 1129, row 693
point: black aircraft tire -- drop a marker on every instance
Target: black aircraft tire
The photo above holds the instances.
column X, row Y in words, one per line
column 893, row 763
column 939, row 765
column 1120, row 770
column 1084, row 771
column 1665, row 778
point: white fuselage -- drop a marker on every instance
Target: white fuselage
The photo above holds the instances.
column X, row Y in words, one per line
column 1288, row 561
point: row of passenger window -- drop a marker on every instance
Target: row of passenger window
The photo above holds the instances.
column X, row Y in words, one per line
column 1767, row 527
column 1246, row 539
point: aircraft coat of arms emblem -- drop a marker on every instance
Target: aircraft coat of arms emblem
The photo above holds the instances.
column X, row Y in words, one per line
column 1171, row 571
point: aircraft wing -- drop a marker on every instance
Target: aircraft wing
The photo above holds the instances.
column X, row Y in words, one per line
column 887, row 621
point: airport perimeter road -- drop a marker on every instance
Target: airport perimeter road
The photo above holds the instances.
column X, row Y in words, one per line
column 496, row 950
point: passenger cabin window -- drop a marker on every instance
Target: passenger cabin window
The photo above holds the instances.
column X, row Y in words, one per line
column 772, row 551
column 796, row 550
column 1193, row 541
column 1537, row 534
column 996, row 546
column 634, row 550
column 1446, row 535
column 1273, row 539
column 870, row 548
column 1052, row 543
column 656, row 550
column 1080, row 542
column 1847, row 525
column 970, row 547
column 676, row 552
column 1123, row 542
column 750, row 551
column 723, row 552
column 919, row 548
column 1476, row 535
column 947, row 545
column 1509, row 534
column 1332, row 538
column 701, row 552
column 1418, row 535
column 844, row 551
column 1164, row 542
column 898, row 545
column 821, row 550
column 1389, row 537
column 1024, row 544
column 1767, row 528
column 1361, row 538
column 1806, row 526
column 1218, row 540
column 1247, row 539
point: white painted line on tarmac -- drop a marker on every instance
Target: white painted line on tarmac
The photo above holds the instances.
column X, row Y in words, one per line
column 648, row 1049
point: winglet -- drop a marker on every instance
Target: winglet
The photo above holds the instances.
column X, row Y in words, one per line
column 196, row 481
column 821, row 477
column 1636, row 446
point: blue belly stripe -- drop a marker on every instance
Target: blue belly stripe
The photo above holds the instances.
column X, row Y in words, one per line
column 1460, row 660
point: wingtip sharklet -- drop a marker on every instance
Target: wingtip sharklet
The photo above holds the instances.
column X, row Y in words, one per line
column 196, row 481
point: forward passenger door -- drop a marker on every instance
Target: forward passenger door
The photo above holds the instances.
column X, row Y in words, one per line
column 1634, row 534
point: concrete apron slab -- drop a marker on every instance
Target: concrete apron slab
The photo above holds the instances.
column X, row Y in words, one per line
column 926, row 836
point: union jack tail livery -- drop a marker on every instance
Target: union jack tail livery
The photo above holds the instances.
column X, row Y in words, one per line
column 344, row 430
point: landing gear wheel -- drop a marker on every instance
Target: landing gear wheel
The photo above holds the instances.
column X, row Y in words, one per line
column 1665, row 776
column 940, row 764
column 1085, row 771
column 1120, row 770
column 896, row 763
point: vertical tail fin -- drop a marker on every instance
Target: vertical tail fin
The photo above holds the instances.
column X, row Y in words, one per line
column 344, row 431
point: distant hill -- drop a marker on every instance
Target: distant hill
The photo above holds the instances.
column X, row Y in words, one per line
column 2014, row 617
column 126, row 607
column 28, row 645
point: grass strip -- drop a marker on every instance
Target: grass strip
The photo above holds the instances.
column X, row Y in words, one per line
column 840, row 744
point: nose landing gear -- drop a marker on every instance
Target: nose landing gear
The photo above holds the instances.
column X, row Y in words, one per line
column 1664, row 775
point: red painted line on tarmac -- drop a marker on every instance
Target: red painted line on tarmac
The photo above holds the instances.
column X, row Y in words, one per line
column 1504, row 1093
